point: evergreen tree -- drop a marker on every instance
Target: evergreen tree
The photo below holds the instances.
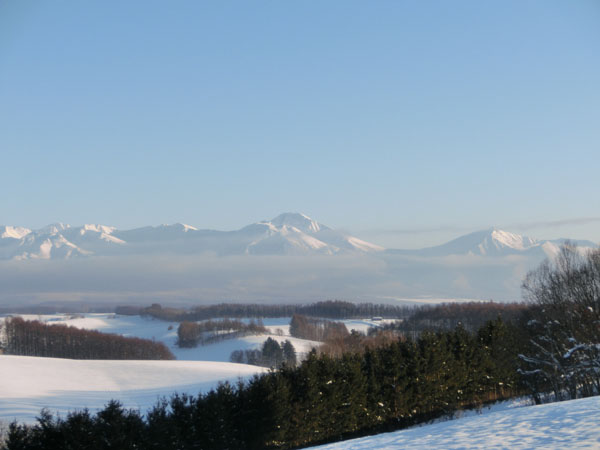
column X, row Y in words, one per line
column 289, row 353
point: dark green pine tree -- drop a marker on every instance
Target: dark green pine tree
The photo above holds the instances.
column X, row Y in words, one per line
column 351, row 395
column 307, row 410
column 115, row 427
column 272, row 354
column 501, row 343
column 289, row 353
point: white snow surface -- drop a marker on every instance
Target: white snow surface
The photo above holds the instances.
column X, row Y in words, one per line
column 572, row 424
column 149, row 328
column 13, row 232
column 512, row 240
column 364, row 245
column 61, row 385
column 29, row 383
column 286, row 234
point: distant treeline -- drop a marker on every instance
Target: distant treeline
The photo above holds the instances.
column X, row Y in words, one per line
column 332, row 309
column 470, row 315
column 324, row 399
column 33, row 338
column 190, row 334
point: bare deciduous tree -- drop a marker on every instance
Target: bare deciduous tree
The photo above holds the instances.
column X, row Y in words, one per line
column 565, row 324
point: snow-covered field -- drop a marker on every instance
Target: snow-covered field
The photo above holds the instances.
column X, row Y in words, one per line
column 149, row 328
column 30, row 383
column 573, row 424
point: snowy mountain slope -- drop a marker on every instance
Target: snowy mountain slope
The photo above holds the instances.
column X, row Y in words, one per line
column 286, row 234
column 59, row 241
column 494, row 242
column 13, row 232
column 571, row 424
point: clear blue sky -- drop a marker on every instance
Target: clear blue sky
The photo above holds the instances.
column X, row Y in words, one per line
column 405, row 122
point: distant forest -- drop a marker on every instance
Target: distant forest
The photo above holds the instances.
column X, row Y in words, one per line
column 447, row 316
column 33, row 338
column 332, row 309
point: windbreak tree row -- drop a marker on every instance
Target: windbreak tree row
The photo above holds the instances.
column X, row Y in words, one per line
column 190, row 334
column 33, row 338
column 303, row 327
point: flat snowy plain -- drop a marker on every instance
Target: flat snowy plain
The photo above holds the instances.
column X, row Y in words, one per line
column 572, row 424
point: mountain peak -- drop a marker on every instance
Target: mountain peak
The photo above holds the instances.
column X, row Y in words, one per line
column 184, row 227
column 512, row 240
column 54, row 228
column 297, row 220
column 13, row 232
column 97, row 228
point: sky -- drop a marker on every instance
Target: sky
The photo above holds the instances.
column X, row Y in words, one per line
column 405, row 123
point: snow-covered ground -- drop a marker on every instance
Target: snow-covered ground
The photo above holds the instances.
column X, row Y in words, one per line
column 573, row 424
column 363, row 325
column 166, row 332
column 30, row 384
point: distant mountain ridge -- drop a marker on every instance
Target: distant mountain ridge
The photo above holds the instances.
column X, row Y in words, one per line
column 495, row 243
column 286, row 234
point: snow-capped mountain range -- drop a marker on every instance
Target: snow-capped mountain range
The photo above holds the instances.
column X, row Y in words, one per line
column 286, row 234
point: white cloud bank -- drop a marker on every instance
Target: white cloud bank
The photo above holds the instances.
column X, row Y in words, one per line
column 281, row 279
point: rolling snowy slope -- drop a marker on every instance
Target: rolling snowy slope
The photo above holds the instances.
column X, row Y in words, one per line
column 566, row 425
column 30, row 384
column 166, row 332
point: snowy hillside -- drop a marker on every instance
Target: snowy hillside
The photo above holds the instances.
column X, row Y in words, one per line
column 166, row 332
column 566, row 425
column 30, row 384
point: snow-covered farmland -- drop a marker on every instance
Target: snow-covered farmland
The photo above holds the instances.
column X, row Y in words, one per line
column 30, row 384
column 166, row 332
column 573, row 424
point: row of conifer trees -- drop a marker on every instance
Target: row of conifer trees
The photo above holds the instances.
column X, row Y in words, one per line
column 323, row 399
